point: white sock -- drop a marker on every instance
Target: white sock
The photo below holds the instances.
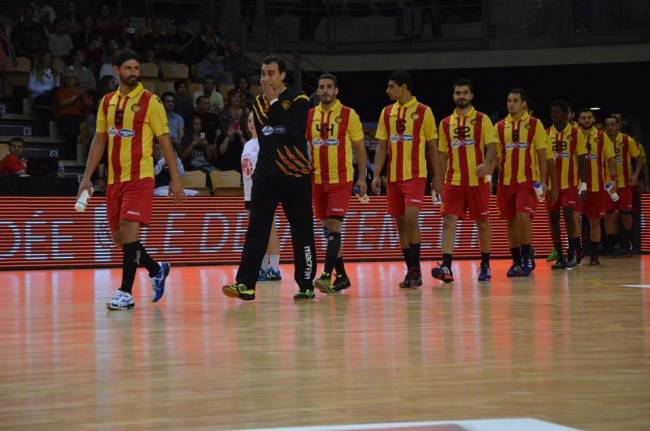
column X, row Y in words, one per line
column 274, row 261
column 265, row 262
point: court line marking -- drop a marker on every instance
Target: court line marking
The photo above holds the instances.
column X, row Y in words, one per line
column 640, row 286
column 510, row 424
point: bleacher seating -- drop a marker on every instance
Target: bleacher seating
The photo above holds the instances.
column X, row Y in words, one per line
column 226, row 183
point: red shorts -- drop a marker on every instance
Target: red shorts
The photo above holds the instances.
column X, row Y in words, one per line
column 331, row 200
column 402, row 194
column 516, row 198
column 132, row 200
column 568, row 198
column 458, row 200
column 595, row 204
column 625, row 202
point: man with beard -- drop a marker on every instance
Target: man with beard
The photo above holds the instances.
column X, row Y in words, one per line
column 406, row 133
column 467, row 154
column 600, row 153
column 626, row 149
column 332, row 131
column 569, row 149
column 128, row 119
column 282, row 175
column 522, row 152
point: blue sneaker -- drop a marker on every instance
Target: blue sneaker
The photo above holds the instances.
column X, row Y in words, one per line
column 262, row 275
column 158, row 282
column 527, row 266
column 121, row 301
column 485, row 274
column 515, row 270
column 273, row 275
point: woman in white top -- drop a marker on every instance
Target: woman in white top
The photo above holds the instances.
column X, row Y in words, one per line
column 42, row 79
column 270, row 270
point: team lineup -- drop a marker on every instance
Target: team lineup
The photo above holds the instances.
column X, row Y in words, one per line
column 302, row 157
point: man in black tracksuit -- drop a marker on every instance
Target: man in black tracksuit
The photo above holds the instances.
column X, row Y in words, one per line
column 282, row 175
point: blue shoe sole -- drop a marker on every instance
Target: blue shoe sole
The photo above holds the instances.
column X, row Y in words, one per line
column 160, row 291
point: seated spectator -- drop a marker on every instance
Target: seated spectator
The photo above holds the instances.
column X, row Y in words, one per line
column 85, row 77
column 126, row 35
column 104, row 24
column 13, row 163
column 175, row 121
column 42, row 80
column 211, row 66
column 107, row 67
column 184, row 102
column 106, row 85
column 28, row 37
column 180, row 43
column 212, row 124
column 82, row 37
column 60, row 41
column 209, row 38
column 96, row 53
column 161, row 172
column 43, row 13
column 71, row 107
column 243, row 85
column 196, row 152
column 209, row 90
column 232, row 144
column 155, row 40
column 234, row 60
column 70, row 17
column 7, row 54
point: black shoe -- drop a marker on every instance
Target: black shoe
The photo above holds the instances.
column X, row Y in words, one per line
column 412, row 280
column 304, row 295
column 571, row 261
column 560, row 263
column 341, row 282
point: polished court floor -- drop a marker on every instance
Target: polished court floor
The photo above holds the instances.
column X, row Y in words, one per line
column 571, row 348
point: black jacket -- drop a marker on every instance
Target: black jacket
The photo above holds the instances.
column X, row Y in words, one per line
column 281, row 134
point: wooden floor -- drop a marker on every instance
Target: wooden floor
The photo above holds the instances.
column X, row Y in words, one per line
column 572, row 348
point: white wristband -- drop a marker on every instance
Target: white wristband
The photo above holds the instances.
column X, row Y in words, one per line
column 273, row 101
column 582, row 188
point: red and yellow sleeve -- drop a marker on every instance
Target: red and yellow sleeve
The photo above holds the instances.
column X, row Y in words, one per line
column 634, row 148
column 488, row 131
column 608, row 148
column 157, row 117
column 581, row 146
column 443, row 144
column 101, row 126
column 355, row 129
column 382, row 133
column 429, row 126
column 542, row 141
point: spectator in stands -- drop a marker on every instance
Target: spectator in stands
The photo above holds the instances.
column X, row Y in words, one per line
column 96, row 53
column 180, row 43
column 155, row 40
column 234, row 61
column 7, row 53
column 126, row 35
column 60, row 41
column 210, row 91
column 71, row 107
column 29, row 37
column 104, row 22
column 212, row 124
column 43, row 13
column 106, row 85
column 211, row 65
column 175, row 121
column 209, row 38
column 13, row 163
column 243, row 85
column 82, row 38
column 196, row 152
column 42, row 80
column 71, row 19
column 161, row 172
column 232, row 144
column 184, row 103
column 107, row 68
column 85, row 77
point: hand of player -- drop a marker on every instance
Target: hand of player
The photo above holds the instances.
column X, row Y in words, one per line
column 634, row 180
column 176, row 190
column 270, row 93
column 363, row 187
column 85, row 185
column 436, row 185
column 482, row 170
column 554, row 195
column 376, row 185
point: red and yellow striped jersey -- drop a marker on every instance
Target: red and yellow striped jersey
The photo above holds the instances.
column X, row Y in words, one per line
column 567, row 145
column 464, row 140
column 407, row 127
column 517, row 146
column 599, row 150
column 131, row 123
column 625, row 148
column 330, row 135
